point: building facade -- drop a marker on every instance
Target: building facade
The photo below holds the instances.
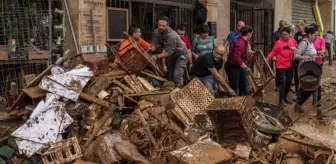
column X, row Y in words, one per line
column 227, row 12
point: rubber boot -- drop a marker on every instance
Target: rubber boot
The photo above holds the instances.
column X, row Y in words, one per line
column 282, row 103
column 319, row 113
column 298, row 109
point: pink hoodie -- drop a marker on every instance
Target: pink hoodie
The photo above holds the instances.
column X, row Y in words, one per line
column 284, row 57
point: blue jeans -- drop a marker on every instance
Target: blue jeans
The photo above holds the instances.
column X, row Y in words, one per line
column 210, row 83
column 317, row 95
column 176, row 70
column 248, row 85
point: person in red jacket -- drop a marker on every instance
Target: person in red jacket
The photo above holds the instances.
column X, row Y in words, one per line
column 283, row 50
column 235, row 66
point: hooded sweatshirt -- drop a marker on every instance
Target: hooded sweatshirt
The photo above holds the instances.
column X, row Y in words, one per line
column 284, row 56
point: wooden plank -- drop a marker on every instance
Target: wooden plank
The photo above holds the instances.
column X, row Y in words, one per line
column 132, row 84
column 252, row 81
column 261, row 71
column 115, row 72
column 124, row 87
column 146, row 84
column 154, row 76
column 100, row 84
column 148, row 93
column 95, row 100
column 34, row 92
column 316, row 135
column 35, row 55
column 138, row 83
column 97, row 128
column 149, row 133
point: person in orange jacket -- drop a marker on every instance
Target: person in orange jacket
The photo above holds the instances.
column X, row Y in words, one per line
column 283, row 50
column 126, row 45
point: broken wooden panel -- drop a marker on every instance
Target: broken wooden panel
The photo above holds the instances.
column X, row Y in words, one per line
column 316, row 135
column 138, row 83
column 34, row 92
column 124, row 87
column 115, row 72
column 204, row 151
column 144, row 105
column 63, row 152
column 194, row 99
column 132, row 84
column 146, row 84
column 99, row 84
column 153, row 76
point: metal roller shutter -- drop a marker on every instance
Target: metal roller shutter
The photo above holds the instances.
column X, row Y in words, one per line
column 303, row 10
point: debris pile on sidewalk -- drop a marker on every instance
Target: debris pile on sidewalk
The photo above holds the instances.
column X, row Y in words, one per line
column 82, row 117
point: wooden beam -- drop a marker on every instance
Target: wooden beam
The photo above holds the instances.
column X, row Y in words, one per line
column 148, row 94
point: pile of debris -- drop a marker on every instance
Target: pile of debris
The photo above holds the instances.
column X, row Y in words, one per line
column 131, row 115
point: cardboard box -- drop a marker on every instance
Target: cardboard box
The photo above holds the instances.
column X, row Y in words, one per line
column 82, row 12
column 205, row 151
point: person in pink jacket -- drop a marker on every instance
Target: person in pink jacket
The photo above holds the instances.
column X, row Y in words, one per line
column 283, row 50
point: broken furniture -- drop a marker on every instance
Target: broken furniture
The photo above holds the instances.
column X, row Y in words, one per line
column 264, row 70
column 193, row 100
column 135, row 60
column 62, row 152
column 226, row 118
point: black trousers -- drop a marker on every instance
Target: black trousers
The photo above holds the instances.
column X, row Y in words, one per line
column 277, row 78
column 296, row 79
column 285, row 76
column 238, row 80
column 304, row 96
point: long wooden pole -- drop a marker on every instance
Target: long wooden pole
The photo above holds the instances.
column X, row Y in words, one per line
column 102, row 122
column 312, row 107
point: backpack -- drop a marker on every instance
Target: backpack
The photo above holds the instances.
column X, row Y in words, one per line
column 200, row 13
